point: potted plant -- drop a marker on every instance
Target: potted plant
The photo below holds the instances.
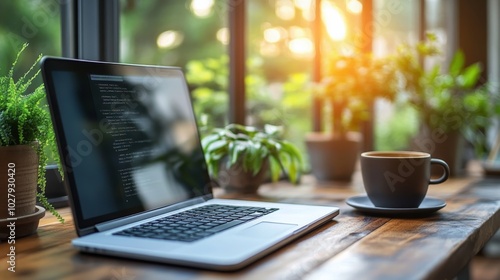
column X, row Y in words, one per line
column 26, row 134
column 348, row 90
column 240, row 158
column 452, row 105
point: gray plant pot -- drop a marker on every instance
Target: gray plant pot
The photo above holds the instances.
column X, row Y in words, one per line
column 449, row 146
column 333, row 158
column 236, row 180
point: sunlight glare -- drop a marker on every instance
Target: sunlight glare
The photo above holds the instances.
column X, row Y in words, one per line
column 301, row 47
column 303, row 4
column 334, row 21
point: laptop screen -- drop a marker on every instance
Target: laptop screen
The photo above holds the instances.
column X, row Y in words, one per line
column 127, row 135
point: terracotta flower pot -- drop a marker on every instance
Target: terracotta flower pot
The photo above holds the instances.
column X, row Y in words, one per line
column 23, row 178
column 20, row 173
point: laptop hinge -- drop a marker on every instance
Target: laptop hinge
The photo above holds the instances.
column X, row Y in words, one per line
column 135, row 218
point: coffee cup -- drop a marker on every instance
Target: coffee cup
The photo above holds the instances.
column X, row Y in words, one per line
column 399, row 179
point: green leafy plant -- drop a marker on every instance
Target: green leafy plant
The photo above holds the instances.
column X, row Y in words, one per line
column 449, row 99
column 208, row 82
column 350, row 86
column 251, row 147
column 25, row 120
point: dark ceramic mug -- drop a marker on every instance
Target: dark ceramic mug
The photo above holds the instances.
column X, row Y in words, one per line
column 399, row 179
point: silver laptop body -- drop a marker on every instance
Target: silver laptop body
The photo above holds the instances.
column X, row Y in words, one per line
column 131, row 154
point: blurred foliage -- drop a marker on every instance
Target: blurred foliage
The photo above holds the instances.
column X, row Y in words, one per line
column 25, row 118
column 36, row 22
column 208, row 83
column 246, row 145
column 395, row 130
column 352, row 84
column 282, row 104
column 452, row 99
column 278, row 87
column 142, row 22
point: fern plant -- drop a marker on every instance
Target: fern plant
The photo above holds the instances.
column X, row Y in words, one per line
column 25, row 120
column 237, row 143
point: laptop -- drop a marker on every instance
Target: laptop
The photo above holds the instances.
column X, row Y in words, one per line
column 136, row 176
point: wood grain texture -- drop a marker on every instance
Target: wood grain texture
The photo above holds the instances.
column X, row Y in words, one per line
column 351, row 246
column 436, row 247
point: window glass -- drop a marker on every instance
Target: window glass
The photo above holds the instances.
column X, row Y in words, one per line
column 189, row 34
column 439, row 17
column 395, row 22
column 279, row 65
column 36, row 22
column 193, row 35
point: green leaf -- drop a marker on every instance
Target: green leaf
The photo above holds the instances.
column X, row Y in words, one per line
column 292, row 172
column 273, row 129
column 470, row 76
column 275, row 169
column 217, row 144
column 24, row 119
column 236, row 149
column 208, row 140
column 457, row 64
column 251, row 148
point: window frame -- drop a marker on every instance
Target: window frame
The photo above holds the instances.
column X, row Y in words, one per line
column 86, row 37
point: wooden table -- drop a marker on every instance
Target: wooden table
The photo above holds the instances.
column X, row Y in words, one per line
column 351, row 246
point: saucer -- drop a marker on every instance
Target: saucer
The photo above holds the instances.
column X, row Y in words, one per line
column 363, row 203
column 24, row 225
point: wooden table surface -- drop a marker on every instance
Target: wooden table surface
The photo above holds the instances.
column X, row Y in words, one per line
column 352, row 246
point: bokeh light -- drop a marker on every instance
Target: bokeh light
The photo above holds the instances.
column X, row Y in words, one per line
column 302, row 47
column 354, row 6
column 285, row 9
column 202, row 8
column 169, row 39
column 274, row 34
column 223, row 35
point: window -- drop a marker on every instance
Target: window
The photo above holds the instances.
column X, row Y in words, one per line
column 193, row 35
column 395, row 22
column 188, row 34
column 279, row 65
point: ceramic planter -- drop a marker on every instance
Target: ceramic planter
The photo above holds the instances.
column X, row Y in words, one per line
column 449, row 146
column 236, row 180
column 333, row 157
column 20, row 173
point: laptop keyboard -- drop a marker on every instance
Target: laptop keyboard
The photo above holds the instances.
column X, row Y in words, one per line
column 196, row 223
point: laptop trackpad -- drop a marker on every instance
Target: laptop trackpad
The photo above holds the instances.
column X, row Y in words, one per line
column 266, row 229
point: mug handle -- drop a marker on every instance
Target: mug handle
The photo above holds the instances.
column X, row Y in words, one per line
column 446, row 170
